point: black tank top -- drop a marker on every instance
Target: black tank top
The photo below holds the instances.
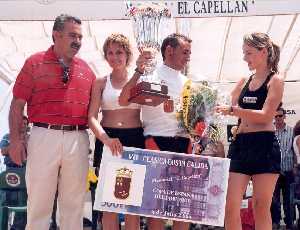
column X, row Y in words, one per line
column 254, row 99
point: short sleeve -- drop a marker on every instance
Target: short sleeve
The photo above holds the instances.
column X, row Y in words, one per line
column 24, row 82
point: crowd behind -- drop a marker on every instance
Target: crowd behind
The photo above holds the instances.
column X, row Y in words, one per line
column 64, row 98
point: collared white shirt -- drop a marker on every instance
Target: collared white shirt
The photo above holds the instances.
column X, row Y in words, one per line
column 285, row 138
column 156, row 121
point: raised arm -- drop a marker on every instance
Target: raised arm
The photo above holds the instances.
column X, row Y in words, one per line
column 143, row 58
column 125, row 93
column 17, row 145
column 113, row 143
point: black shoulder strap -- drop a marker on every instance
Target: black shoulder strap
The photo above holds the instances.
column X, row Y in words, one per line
column 269, row 77
column 246, row 86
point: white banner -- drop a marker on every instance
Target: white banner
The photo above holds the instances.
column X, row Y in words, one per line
column 100, row 10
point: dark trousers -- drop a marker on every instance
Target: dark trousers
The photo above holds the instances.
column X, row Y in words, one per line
column 283, row 184
column 12, row 198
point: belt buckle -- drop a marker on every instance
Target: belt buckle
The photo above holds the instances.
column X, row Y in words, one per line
column 69, row 127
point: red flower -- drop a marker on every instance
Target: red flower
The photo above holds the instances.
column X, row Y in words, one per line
column 199, row 128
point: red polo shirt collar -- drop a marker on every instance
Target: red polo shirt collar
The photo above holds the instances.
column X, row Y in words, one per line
column 50, row 55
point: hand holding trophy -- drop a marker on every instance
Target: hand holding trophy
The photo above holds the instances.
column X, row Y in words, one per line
column 147, row 22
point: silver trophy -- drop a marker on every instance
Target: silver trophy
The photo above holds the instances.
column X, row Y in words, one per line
column 148, row 21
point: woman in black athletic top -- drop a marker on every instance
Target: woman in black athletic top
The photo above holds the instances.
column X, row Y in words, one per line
column 255, row 152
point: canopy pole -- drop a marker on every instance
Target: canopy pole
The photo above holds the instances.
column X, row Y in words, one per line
column 220, row 68
column 293, row 57
column 289, row 30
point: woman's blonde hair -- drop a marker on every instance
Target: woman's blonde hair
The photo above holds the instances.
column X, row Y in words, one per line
column 122, row 41
column 260, row 41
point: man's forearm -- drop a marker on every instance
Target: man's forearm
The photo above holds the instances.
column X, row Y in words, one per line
column 16, row 119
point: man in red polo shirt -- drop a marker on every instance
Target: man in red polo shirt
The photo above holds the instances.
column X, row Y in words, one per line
column 56, row 87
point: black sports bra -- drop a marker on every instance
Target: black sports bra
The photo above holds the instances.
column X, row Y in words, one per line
column 254, row 99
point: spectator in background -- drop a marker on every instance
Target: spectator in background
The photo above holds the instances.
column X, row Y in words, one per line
column 4, row 145
column 11, row 197
column 284, row 134
column 296, row 148
column 296, row 142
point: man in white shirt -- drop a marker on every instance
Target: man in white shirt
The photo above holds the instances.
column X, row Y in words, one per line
column 161, row 127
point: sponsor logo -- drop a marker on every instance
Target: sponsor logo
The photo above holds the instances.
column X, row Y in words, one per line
column 206, row 7
column 249, row 100
column 13, row 179
column 290, row 112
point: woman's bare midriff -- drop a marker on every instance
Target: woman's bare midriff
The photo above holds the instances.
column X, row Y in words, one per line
column 121, row 118
column 248, row 127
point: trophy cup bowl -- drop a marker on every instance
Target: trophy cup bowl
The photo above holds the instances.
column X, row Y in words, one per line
column 147, row 22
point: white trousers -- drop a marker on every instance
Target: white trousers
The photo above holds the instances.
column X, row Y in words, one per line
column 56, row 159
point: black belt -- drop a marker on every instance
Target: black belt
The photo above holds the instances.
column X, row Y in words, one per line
column 61, row 127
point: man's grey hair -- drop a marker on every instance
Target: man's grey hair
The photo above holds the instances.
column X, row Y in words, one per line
column 59, row 23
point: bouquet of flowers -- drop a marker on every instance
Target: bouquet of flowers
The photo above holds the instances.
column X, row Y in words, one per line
column 196, row 114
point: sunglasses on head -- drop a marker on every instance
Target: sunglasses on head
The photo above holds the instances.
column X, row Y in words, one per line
column 280, row 115
column 66, row 73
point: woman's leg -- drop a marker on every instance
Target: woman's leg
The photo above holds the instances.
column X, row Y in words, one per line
column 237, row 184
column 132, row 222
column 180, row 225
column 155, row 224
column 110, row 221
column 263, row 188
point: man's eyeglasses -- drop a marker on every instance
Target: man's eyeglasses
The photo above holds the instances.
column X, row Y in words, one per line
column 280, row 115
column 66, row 73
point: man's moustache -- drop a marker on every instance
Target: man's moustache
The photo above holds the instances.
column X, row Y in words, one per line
column 76, row 46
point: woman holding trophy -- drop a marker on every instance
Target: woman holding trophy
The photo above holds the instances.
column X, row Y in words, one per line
column 120, row 125
column 255, row 152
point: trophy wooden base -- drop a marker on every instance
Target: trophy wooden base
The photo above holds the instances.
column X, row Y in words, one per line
column 148, row 93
